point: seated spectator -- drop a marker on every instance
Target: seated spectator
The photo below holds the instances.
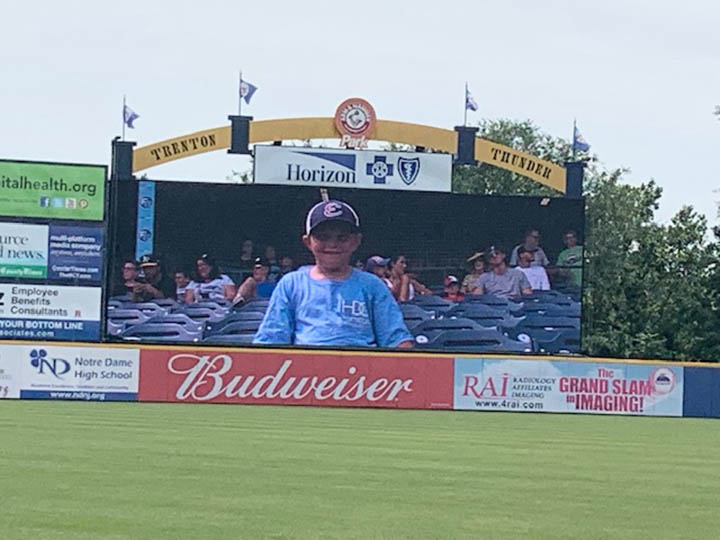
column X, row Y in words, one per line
column 257, row 285
column 128, row 281
column 182, row 280
column 570, row 260
column 452, row 289
column 287, row 265
column 404, row 285
column 502, row 280
column 532, row 244
column 271, row 258
column 154, row 284
column 537, row 276
column 469, row 283
column 379, row 266
column 209, row 284
column 247, row 257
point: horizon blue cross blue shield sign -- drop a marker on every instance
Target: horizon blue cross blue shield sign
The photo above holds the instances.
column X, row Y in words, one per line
column 409, row 169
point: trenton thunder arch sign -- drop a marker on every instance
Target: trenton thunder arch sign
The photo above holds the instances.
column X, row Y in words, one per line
column 264, row 131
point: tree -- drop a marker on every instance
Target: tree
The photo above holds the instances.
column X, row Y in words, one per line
column 651, row 290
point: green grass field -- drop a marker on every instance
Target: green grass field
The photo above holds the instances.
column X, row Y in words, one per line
column 151, row 471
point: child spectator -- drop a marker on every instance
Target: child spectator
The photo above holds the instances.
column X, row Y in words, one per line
column 257, row 285
column 452, row 289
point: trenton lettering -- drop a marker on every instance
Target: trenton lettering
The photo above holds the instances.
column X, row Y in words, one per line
column 521, row 162
column 297, row 173
column 184, row 146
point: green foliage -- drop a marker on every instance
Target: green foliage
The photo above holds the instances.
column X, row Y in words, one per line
column 651, row 290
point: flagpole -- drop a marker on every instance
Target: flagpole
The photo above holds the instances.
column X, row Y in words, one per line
column 465, row 103
column 240, row 92
column 573, row 138
column 123, row 118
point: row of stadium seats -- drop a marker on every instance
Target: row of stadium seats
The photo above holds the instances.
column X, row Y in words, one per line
column 215, row 322
column 479, row 324
column 543, row 322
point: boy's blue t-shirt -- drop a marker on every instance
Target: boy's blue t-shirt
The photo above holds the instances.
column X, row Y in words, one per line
column 357, row 311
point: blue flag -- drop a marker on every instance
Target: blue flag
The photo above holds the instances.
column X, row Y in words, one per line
column 129, row 116
column 470, row 103
column 579, row 143
column 247, row 90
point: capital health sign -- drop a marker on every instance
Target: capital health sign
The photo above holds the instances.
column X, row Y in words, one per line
column 574, row 387
column 45, row 190
column 368, row 169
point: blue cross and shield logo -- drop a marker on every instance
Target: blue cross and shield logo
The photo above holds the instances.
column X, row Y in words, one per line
column 409, row 168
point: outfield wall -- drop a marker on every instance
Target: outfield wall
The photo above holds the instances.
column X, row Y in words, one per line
column 32, row 370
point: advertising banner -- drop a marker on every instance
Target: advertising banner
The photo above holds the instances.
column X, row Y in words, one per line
column 23, row 251
column 291, row 378
column 322, row 167
column 539, row 385
column 10, row 374
column 75, row 252
column 52, row 190
column 145, row 218
column 49, row 312
column 83, row 373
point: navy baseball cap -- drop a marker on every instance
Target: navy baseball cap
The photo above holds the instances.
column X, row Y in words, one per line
column 331, row 211
column 375, row 261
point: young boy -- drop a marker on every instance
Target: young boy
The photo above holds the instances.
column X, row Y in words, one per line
column 331, row 303
column 452, row 289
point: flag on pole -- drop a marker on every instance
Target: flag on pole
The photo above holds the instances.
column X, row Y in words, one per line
column 247, row 90
column 579, row 143
column 129, row 116
column 470, row 103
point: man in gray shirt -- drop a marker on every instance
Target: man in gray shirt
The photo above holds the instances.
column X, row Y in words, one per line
column 502, row 280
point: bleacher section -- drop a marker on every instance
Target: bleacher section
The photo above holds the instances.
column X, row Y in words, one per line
column 544, row 322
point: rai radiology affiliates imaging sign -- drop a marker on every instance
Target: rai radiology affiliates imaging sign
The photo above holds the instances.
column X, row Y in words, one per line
column 45, row 371
column 44, row 190
column 574, row 387
column 323, row 167
column 52, row 252
column 49, row 312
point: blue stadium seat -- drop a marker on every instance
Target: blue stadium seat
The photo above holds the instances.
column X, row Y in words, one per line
column 483, row 340
column 115, row 328
column 427, row 330
column 564, row 309
column 127, row 316
column 496, row 302
column 477, row 309
column 230, row 339
column 167, row 303
column 202, row 314
column 547, row 297
column 149, row 308
column 160, row 332
column 434, row 304
column 115, row 304
column 182, row 319
column 255, row 317
column 550, row 323
column 414, row 315
column 236, row 328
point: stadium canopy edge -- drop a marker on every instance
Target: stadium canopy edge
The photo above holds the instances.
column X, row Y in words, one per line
column 429, row 137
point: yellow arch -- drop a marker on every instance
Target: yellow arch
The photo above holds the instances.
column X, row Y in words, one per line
column 444, row 140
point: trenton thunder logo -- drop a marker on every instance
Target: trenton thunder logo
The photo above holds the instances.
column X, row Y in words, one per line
column 409, row 169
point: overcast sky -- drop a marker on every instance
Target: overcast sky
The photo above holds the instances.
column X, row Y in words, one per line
column 641, row 77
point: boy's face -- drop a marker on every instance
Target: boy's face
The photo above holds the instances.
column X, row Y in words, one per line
column 181, row 280
column 333, row 243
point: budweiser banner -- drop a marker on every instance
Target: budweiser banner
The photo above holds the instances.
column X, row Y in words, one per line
column 296, row 378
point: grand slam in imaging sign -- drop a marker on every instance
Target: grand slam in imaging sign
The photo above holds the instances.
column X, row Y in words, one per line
column 368, row 169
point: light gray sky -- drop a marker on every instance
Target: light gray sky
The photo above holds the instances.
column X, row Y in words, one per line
column 641, row 77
